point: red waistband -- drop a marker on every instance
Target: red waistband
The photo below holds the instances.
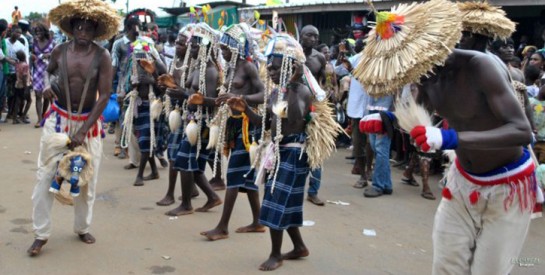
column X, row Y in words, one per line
column 64, row 113
column 513, row 175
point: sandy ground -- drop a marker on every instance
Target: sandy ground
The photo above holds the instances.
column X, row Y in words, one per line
column 135, row 237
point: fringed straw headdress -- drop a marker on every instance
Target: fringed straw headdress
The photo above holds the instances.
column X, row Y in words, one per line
column 406, row 44
column 486, row 20
column 103, row 14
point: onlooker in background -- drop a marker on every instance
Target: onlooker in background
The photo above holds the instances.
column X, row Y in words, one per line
column 357, row 104
column 22, row 87
column 13, row 46
column 4, row 65
column 538, row 106
column 43, row 46
column 380, row 143
column 16, row 16
column 169, row 49
column 531, row 75
column 526, row 54
column 504, row 49
column 537, row 59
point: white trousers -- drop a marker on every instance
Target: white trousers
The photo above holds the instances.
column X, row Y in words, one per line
column 480, row 238
column 42, row 199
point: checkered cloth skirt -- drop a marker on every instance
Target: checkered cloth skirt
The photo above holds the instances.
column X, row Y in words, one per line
column 283, row 208
column 239, row 166
column 174, row 141
column 162, row 134
column 142, row 126
column 186, row 157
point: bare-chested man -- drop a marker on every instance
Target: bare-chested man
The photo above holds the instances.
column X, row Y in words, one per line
column 179, row 69
column 202, row 92
column 315, row 62
column 83, row 68
column 483, row 218
column 282, row 207
column 242, row 80
column 492, row 178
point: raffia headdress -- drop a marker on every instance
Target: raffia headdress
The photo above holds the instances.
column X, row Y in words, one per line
column 406, row 44
column 487, row 20
column 103, row 14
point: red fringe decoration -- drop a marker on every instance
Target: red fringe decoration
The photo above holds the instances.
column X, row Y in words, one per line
column 446, row 193
column 474, row 197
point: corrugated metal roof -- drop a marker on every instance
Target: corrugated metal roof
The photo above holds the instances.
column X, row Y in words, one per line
column 302, row 3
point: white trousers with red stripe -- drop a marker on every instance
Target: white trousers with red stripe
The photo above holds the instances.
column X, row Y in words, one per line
column 482, row 237
column 42, row 199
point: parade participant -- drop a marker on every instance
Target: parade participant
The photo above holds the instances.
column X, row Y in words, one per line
column 192, row 154
column 82, row 68
column 491, row 188
column 120, row 59
column 482, row 23
column 181, row 67
column 241, row 79
column 143, row 66
column 303, row 136
column 315, row 62
column 284, row 193
column 43, row 46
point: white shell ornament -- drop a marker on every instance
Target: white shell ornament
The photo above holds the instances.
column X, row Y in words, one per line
column 214, row 135
column 191, row 131
column 156, row 108
column 175, row 120
column 281, row 109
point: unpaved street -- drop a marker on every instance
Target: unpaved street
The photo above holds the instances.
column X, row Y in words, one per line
column 135, row 237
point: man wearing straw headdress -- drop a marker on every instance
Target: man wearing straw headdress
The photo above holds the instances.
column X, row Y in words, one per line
column 482, row 23
column 483, row 218
column 83, row 68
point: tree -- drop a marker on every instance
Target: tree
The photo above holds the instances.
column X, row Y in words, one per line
column 34, row 16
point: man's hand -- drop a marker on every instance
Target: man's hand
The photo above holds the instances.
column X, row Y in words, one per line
column 297, row 71
column 371, row 124
column 196, row 99
column 237, row 104
column 432, row 138
column 49, row 94
column 76, row 140
column 224, row 98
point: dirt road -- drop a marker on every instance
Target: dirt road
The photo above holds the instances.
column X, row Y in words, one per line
column 135, row 237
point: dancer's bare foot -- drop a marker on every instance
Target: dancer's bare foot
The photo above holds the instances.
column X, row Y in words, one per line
column 217, row 184
column 87, row 238
column 36, row 247
column 165, row 201
column 296, row 254
column 215, row 234
column 270, row 264
column 180, row 211
column 138, row 182
column 252, row 228
column 209, row 205
column 152, row 176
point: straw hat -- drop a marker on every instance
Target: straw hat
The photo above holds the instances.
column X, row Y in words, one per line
column 487, row 20
column 94, row 10
column 406, row 44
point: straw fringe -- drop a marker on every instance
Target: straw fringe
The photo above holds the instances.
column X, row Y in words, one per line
column 487, row 20
column 322, row 131
column 424, row 41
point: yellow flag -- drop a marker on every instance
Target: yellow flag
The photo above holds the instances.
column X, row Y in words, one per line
column 257, row 15
column 274, row 2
